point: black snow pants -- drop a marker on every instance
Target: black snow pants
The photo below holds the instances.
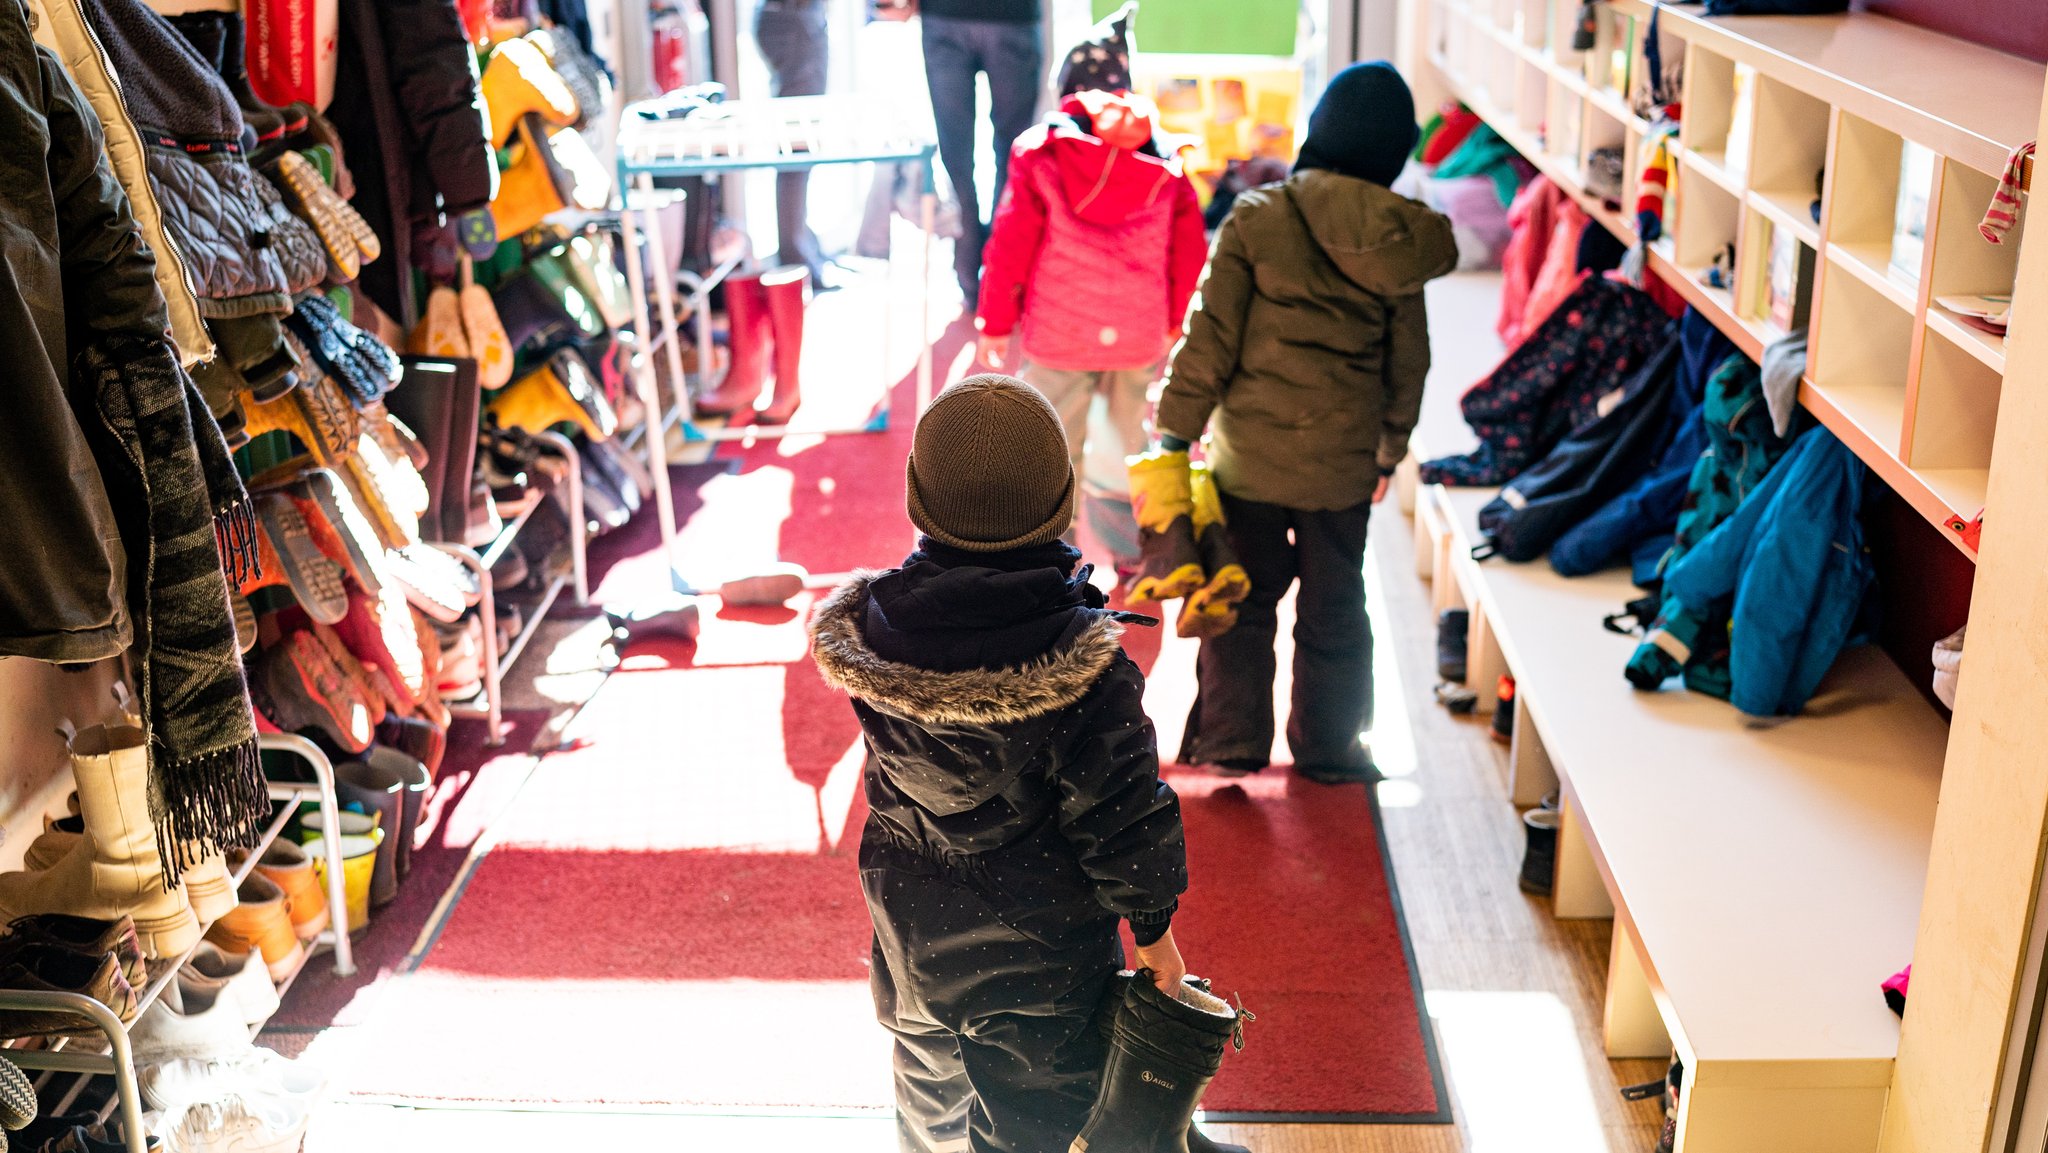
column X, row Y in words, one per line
column 998, row 1049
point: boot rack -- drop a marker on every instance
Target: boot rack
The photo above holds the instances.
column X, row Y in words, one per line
column 491, row 703
column 782, row 134
column 116, row 1058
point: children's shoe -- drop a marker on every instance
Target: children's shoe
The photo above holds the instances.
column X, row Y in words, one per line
column 1321, row 774
column 1539, row 857
column 1504, row 712
column 1460, row 700
column 1452, row 628
column 1233, row 767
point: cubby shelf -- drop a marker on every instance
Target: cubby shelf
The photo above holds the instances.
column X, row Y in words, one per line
column 1831, row 100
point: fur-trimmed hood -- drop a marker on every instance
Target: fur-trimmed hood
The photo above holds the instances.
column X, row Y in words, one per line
column 1008, row 695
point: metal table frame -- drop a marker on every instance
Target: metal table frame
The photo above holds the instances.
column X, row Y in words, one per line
column 781, row 135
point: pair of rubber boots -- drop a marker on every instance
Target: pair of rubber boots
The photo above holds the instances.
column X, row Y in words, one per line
column 1163, row 1052
column 1184, row 545
column 112, row 868
column 765, row 325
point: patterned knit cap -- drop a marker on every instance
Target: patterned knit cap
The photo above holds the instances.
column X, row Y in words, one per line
column 1103, row 61
column 989, row 469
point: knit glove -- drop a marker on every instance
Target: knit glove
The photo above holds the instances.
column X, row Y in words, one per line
column 1162, row 501
column 1212, row 609
column 347, row 237
column 360, row 363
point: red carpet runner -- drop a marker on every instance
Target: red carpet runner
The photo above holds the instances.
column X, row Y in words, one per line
column 669, row 914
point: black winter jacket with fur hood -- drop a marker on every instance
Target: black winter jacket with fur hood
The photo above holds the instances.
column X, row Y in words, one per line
column 1008, row 745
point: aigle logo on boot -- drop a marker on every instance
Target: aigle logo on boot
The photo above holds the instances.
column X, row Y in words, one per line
column 1151, row 1078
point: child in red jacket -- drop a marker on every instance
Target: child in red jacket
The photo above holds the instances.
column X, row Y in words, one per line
column 1091, row 261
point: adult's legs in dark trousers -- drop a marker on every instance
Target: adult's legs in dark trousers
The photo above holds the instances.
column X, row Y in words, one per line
column 955, row 51
column 792, row 35
column 1232, row 719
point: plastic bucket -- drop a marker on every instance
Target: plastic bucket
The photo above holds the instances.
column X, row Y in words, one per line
column 358, row 864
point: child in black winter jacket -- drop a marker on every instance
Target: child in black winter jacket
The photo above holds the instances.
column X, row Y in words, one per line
column 1016, row 811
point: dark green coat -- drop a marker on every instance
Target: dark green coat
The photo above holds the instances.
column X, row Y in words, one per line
column 1309, row 343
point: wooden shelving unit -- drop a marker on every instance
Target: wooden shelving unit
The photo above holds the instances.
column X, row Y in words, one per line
column 1831, row 105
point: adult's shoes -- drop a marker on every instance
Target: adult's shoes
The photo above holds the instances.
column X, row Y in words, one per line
column 116, row 870
column 254, row 1102
column 208, row 1026
column 260, row 922
column 85, row 935
column 242, row 980
column 305, row 689
column 53, row 969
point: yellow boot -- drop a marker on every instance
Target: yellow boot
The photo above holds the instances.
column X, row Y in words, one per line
column 114, row 871
column 1162, row 500
column 519, row 80
column 558, row 392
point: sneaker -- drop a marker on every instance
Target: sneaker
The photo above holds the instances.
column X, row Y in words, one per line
column 209, row 1027
column 240, row 979
column 84, row 935
column 35, row 965
column 1460, row 700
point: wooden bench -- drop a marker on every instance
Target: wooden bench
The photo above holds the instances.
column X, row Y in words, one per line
column 1763, row 877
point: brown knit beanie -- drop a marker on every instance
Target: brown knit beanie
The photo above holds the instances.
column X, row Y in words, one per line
column 989, row 469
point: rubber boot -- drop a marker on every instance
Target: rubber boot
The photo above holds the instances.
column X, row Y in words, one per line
column 1162, row 500
column 1539, row 857
column 416, row 780
column 380, row 791
column 1211, row 610
column 519, row 80
column 115, row 871
column 1503, row 731
column 561, row 391
column 749, row 332
column 1452, row 627
column 1163, row 1052
column 785, row 290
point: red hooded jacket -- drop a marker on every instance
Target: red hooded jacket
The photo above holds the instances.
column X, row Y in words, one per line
column 1095, row 249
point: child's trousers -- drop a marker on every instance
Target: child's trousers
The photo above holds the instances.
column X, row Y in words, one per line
column 998, row 1046
column 1232, row 719
column 1105, row 485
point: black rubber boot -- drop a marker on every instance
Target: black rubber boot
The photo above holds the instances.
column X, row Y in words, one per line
column 1451, row 628
column 1163, row 1052
column 1539, row 858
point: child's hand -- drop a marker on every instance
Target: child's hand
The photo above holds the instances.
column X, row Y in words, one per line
column 995, row 350
column 1163, row 958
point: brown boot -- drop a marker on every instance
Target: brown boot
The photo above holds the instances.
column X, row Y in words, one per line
column 115, row 871
column 785, row 290
column 749, row 332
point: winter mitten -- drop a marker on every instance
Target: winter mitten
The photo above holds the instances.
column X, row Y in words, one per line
column 478, row 233
column 356, row 360
column 1227, row 583
column 519, row 80
column 1162, row 500
column 1204, row 621
column 349, row 239
column 440, row 333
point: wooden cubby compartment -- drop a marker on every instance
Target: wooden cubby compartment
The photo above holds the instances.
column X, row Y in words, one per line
column 1862, row 196
column 1532, row 104
column 1532, row 21
column 1967, row 264
column 1760, row 231
column 1606, row 67
column 1703, row 222
column 1865, row 348
column 1709, row 104
column 1602, row 130
column 1567, row 117
column 1955, row 409
column 1791, row 151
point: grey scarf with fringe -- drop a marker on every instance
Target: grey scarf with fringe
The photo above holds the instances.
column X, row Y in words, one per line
column 190, row 531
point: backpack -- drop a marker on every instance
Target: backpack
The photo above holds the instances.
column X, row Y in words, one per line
column 1586, row 469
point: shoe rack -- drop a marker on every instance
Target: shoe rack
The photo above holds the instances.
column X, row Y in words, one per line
column 490, row 704
column 1911, row 387
column 112, row 1057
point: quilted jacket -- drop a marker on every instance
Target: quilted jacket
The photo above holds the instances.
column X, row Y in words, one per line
column 61, row 27
column 73, row 272
column 246, row 254
column 1097, row 247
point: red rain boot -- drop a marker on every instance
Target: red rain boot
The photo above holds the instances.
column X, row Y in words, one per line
column 786, row 293
column 749, row 334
